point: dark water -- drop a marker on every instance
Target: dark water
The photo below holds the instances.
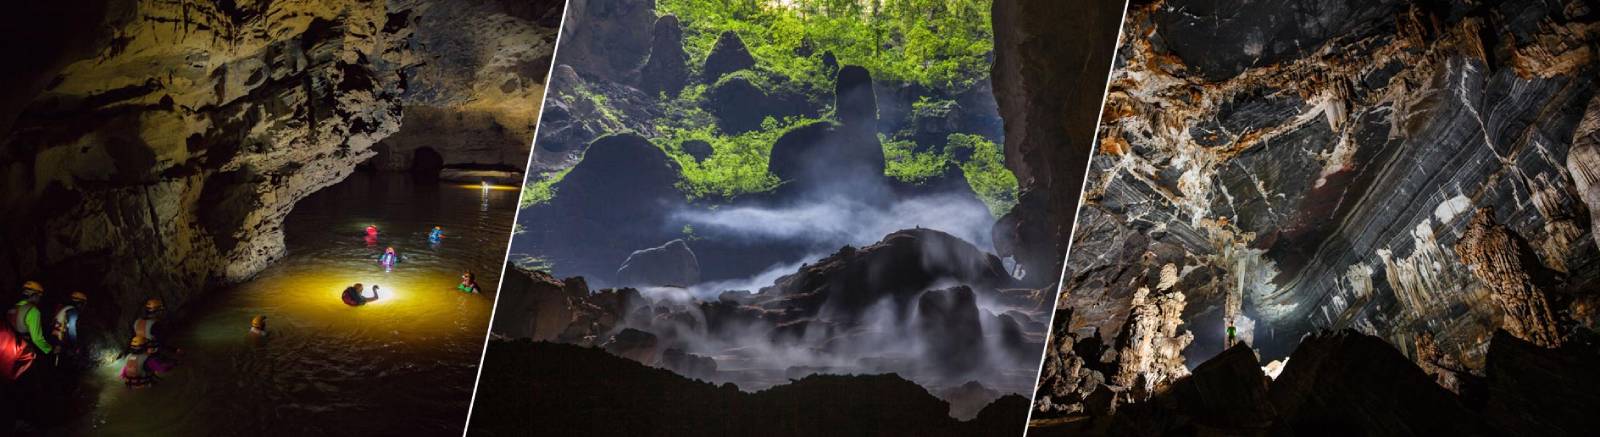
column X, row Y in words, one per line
column 402, row 365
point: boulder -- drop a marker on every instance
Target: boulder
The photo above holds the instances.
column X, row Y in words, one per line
column 738, row 103
column 671, row 264
column 822, row 155
column 688, row 364
column 729, row 55
column 699, row 149
column 667, row 71
column 633, row 344
column 614, row 201
column 1227, row 393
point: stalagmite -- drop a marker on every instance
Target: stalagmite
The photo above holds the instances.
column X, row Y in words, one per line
column 1583, row 163
column 1150, row 353
column 1491, row 254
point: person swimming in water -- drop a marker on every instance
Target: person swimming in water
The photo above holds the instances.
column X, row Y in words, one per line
column 389, row 258
column 372, row 235
column 355, row 295
column 469, row 284
column 436, row 234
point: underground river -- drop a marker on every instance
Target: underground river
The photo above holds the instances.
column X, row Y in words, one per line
column 402, row 364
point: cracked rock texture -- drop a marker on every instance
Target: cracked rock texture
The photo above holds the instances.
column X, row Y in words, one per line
column 160, row 152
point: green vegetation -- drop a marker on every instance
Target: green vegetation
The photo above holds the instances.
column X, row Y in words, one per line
column 542, row 190
column 986, row 171
column 531, row 263
column 939, row 43
column 908, row 165
column 738, row 163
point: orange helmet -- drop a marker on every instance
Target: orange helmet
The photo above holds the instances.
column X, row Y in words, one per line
column 32, row 288
column 153, row 305
column 78, row 296
column 259, row 322
column 138, row 341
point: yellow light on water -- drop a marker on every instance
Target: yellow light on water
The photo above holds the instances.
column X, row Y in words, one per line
column 490, row 187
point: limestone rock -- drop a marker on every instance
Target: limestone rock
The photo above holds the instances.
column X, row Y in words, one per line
column 1492, row 254
column 671, row 264
column 600, row 38
column 729, row 55
column 1150, row 347
column 667, row 71
column 1583, row 163
column 855, row 103
column 635, row 345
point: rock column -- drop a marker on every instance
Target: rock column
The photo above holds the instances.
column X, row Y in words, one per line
column 1492, row 255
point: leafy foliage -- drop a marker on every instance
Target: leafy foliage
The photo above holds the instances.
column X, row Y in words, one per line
column 541, row 190
column 939, row 43
column 986, row 171
column 908, row 165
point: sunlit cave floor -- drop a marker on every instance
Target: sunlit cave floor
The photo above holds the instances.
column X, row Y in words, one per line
column 404, row 364
column 562, row 389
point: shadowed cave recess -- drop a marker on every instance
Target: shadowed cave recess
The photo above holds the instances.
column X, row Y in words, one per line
column 1390, row 202
column 154, row 149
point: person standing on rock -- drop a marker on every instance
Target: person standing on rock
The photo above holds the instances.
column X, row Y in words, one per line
column 27, row 321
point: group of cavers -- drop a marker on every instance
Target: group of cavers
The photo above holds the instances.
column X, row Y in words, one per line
column 38, row 334
column 356, row 295
column 50, row 335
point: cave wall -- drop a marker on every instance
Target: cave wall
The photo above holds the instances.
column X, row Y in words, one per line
column 160, row 160
column 474, row 95
column 1315, row 165
column 1050, row 59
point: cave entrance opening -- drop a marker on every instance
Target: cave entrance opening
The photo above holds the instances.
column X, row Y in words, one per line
column 426, row 163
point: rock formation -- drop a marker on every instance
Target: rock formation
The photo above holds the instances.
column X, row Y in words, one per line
column 1150, row 347
column 1316, row 167
column 609, row 205
column 671, row 264
column 603, row 38
column 667, row 71
column 729, row 55
column 1044, row 55
column 1583, row 163
column 1493, row 256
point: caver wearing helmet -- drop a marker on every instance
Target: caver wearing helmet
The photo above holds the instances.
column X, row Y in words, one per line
column 27, row 321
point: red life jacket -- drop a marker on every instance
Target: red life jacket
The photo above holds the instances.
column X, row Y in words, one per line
column 145, row 328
